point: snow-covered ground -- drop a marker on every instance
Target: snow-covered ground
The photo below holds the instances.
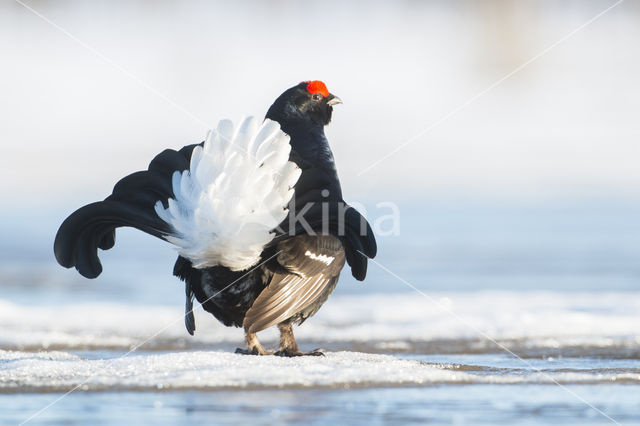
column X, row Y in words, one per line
column 381, row 322
column 61, row 371
column 89, row 345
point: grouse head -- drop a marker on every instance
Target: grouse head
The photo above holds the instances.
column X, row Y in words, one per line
column 308, row 104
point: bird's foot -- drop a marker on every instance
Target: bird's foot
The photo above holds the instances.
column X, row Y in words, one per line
column 290, row 353
column 255, row 348
column 253, row 351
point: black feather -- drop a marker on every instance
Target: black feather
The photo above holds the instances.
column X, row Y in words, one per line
column 341, row 220
column 191, row 276
column 131, row 204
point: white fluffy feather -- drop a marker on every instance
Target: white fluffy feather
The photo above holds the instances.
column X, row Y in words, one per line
column 233, row 195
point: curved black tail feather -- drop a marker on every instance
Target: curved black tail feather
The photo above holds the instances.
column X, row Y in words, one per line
column 131, row 204
column 337, row 218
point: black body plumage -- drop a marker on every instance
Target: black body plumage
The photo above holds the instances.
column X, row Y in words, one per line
column 337, row 230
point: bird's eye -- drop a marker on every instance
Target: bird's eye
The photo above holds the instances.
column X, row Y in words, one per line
column 317, row 96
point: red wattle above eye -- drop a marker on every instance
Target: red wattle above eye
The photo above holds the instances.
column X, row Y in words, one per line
column 316, row 86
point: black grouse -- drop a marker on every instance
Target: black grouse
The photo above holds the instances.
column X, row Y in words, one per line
column 256, row 212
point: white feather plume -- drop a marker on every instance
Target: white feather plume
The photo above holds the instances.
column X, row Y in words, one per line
column 233, row 195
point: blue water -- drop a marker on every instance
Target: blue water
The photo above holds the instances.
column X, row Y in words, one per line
column 474, row 404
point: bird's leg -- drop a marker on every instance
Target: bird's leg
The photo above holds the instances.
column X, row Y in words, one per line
column 288, row 345
column 255, row 348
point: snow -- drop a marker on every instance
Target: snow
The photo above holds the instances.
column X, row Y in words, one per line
column 58, row 371
column 53, row 349
column 388, row 322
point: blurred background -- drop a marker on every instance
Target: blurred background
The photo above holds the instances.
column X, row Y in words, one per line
column 532, row 184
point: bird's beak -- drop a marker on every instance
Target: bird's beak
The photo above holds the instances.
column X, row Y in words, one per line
column 333, row 100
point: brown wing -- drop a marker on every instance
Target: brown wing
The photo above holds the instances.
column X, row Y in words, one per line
column 311, row 263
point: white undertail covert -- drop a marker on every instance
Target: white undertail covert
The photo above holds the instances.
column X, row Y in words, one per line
column 233, row 195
